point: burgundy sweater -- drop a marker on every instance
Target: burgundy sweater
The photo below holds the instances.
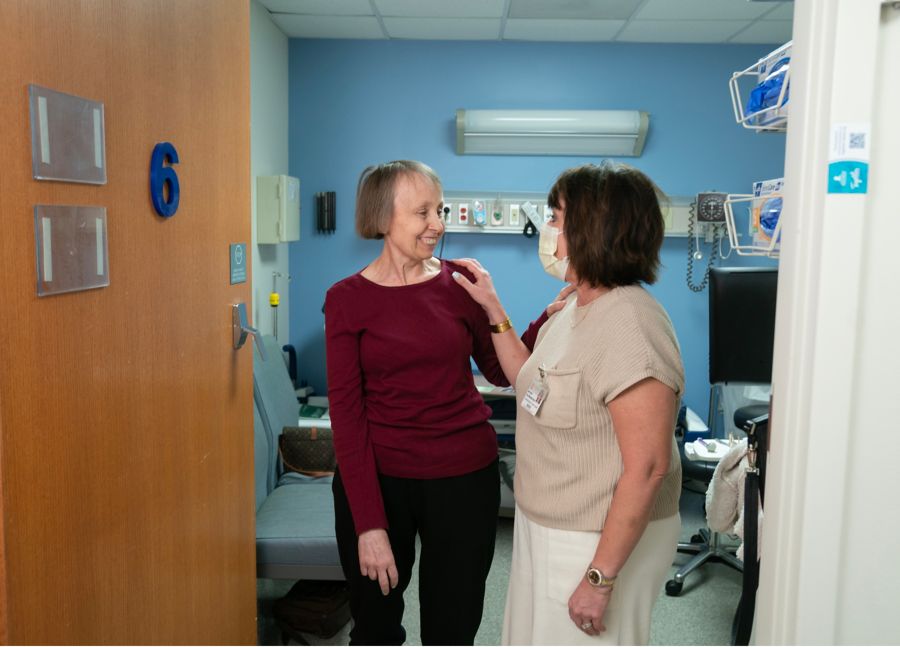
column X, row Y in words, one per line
column 402, row 398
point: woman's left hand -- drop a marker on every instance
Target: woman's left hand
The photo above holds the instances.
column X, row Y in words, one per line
column 587, row 605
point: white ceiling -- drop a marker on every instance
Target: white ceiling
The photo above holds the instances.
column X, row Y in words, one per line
column 642, row 21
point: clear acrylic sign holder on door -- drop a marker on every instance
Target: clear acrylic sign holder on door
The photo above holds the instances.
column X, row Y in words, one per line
column 71, row 245
column 67, row 137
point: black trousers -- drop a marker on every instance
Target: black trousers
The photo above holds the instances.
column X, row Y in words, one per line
column 456, row 521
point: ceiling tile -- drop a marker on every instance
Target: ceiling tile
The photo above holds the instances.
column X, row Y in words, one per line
column 784, row 11
column 320, row 7
column 766, row 31
column 573, row 9
column 296, row 26
column 681, row 31
column 441, row 8
column 702, row 10
column 561, row 30
column 443, row 28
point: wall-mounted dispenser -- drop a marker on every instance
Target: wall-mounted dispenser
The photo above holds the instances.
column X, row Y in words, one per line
column 277, row 209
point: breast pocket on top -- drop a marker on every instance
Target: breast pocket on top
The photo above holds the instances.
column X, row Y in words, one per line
column 560, row 407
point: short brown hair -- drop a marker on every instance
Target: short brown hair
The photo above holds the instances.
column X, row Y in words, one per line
column 375, row 194
column 613, row 224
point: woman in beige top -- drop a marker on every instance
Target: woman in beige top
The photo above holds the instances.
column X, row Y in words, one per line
column 597, row 471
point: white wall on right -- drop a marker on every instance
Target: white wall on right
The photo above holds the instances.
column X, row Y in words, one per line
column 869, row 597
column 268, row 156
column 830, row 572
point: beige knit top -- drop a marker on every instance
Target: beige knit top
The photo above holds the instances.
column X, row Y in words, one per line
column 567, row 457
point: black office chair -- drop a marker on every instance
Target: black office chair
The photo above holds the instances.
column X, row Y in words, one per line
column 741, row 342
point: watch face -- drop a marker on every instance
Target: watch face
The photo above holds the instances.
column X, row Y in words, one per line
column 595, row 577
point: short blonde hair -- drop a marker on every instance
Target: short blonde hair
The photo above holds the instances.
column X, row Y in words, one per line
column 375, row 194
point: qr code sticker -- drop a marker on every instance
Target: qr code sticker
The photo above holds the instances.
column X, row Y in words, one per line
column 857, row 140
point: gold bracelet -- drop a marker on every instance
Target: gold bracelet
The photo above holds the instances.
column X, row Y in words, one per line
column 503, row 326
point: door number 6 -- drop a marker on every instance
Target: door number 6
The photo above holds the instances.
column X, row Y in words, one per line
column 160, row 175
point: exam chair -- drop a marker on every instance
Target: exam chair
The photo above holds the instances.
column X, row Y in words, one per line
column 295, row 519
column 741, row 343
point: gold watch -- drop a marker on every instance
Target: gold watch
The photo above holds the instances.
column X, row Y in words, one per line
column 595, row 577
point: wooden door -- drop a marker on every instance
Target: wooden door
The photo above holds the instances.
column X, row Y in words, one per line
column 125, row 414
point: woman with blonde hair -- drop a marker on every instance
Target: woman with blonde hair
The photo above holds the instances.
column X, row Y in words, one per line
column 415, row 452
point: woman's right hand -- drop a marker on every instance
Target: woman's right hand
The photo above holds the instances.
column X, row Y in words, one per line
column 376, row 559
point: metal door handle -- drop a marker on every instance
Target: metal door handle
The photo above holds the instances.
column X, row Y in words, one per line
column 240, row 328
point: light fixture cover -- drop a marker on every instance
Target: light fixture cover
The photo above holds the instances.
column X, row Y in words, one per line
column 551, row 132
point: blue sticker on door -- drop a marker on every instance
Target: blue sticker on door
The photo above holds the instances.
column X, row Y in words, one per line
column 848, row 177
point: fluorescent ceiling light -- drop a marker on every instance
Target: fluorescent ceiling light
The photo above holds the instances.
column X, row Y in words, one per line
column 617, row 133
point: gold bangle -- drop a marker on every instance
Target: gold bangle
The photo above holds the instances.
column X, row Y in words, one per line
column 503, row 326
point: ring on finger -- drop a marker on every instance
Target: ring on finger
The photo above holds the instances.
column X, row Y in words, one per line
column 587, row 625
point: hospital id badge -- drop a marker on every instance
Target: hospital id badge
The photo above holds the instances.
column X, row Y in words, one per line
column 535, row 395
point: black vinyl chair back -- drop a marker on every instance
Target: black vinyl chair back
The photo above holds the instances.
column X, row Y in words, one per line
column 741, row 346
column 741, row 324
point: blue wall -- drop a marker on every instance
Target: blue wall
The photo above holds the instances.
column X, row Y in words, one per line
column 355, row 103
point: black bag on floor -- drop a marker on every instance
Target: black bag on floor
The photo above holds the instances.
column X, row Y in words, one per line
column 320, row 608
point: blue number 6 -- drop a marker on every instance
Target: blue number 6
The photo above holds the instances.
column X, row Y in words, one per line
column 159, row 175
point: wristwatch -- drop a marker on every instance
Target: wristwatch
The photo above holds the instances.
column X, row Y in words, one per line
column 595, row 577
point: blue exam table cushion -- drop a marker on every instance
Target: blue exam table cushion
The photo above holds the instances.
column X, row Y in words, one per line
column 295, row 525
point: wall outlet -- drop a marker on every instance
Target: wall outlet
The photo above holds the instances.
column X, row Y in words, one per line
column 514, row 215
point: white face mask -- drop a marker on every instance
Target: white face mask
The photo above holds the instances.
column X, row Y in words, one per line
column 547, row 244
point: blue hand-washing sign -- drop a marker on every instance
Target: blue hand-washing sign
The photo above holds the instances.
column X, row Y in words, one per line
column 848, row 176
column 238, row 263
column 848, row 158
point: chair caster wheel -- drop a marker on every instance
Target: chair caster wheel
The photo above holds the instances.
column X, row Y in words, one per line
column 697, row 539
column 673, row 588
